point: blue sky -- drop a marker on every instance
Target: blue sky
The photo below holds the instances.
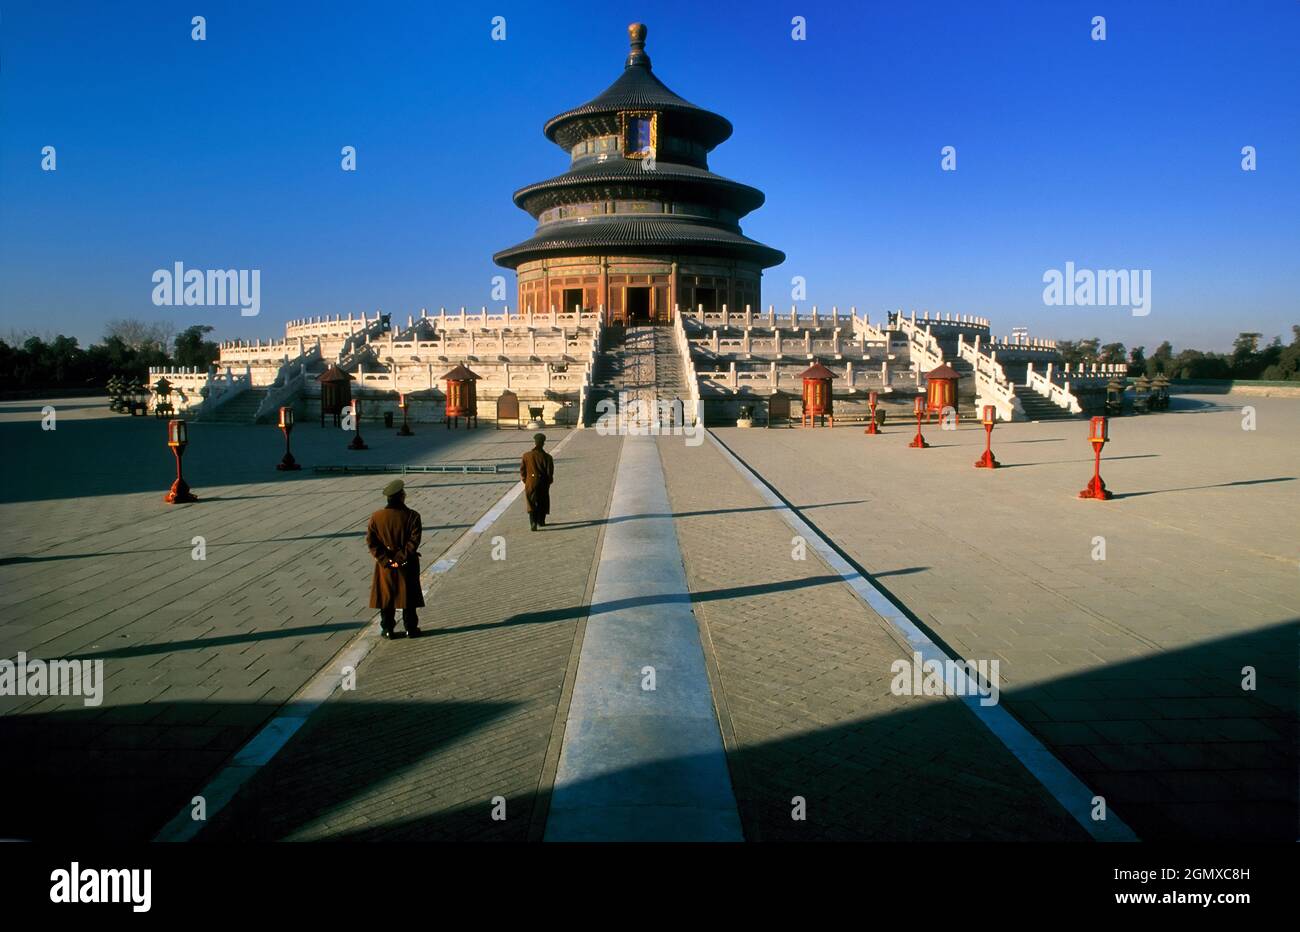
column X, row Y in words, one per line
column 225, row 153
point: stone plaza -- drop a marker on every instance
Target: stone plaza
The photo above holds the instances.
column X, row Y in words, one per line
column 1122, row 629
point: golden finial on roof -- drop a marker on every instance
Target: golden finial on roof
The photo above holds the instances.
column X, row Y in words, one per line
column 636, row 38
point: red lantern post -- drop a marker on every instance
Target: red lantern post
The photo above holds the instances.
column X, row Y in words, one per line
column 871, row 428
column 987, row 461
column 357, row 443
column 1097, row 436
column 178, row 440
column 918, row 407
column 286, row 425
column 405, row 430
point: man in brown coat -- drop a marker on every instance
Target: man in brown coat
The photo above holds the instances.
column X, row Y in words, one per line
column 393, row 537
column 537, row 469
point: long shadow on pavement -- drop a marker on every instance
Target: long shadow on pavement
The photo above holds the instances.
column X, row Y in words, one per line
column 1211, row 768
column 619, row 519
column 115, row 455
column 120, row 773
column 1175, row 744
column 168, row 647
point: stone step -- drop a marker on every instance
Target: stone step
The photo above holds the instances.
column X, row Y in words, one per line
column 670, row 382
column 240, row 409
column 1038, row 408
column 638, row 363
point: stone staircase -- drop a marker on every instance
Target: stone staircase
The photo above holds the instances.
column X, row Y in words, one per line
column 607, row 375
column 1038, row 408
column 637, row 364
column 670, row 379
column 636, row 382
column 1035, row 406
column 238, row 410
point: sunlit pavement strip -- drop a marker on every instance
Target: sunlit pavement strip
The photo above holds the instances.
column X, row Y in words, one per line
column 637, row 764
column 272, row 738
column 1067, row 789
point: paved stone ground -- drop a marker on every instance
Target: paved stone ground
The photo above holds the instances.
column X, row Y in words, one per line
column 801, row 682
column 1130, row 667
column 197, row 654
column 438, row 727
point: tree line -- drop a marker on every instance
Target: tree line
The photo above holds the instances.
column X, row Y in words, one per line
column 1274, row 362
column 128, row 348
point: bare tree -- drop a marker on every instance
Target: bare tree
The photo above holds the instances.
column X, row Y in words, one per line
column 140, row 334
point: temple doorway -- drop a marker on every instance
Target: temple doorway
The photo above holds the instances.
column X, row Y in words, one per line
column 638, row 306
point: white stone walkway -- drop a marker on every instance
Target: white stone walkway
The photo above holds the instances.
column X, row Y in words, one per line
column 641, row 763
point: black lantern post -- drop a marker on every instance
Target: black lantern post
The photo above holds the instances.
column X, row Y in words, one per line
column 115, row 392
column 139, row 398
column 1114, row 398
column 1160, row 393
column 162, row 406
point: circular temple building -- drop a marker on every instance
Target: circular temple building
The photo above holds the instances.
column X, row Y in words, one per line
column 638, row 224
